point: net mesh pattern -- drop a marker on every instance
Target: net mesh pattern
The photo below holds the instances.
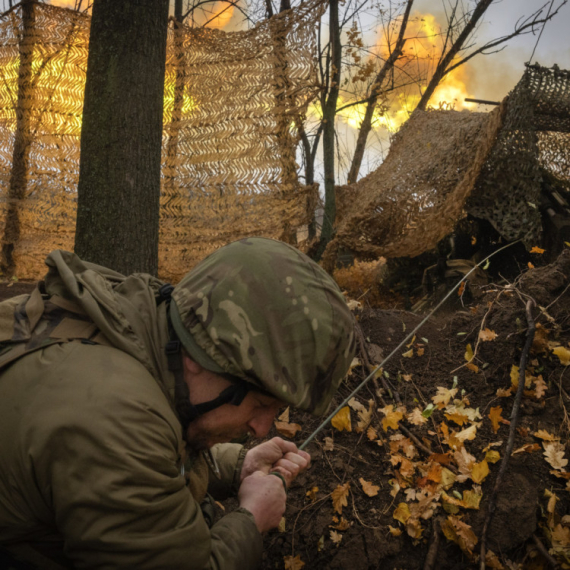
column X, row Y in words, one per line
column 230, row 105
column 443, row 164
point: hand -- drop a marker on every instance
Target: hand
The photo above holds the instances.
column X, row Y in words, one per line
column 276, row 455
column 264, row 497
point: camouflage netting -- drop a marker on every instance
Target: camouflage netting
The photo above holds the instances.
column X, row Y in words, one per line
column 228, row 149
column 443, row 164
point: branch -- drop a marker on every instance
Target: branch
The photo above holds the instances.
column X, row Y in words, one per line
column 512, row 430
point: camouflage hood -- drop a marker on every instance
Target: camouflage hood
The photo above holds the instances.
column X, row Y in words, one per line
column 124, row 309
column 261, row 310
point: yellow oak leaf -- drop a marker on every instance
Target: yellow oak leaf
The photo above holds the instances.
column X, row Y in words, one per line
column 402, row 513
column 293, row 563
column 459, row 419
column 443, row 396
column 312, row 494
column 339, row 497
column 487, row 335
column 543, row 434
column 554, row 454
column 563, row 354
column 472, row 498
column 492, row 456
column 480, row 471
column 287, row 429
column 336, row 537
column 391, row 417
column 368, row 488
column 341, row 421
column 538, row 250
column 495, row 417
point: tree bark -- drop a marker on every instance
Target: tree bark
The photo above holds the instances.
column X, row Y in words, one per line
column 447, row 59
column 375, row 91
column 121, row 138
column 329, row 113
column 22, row 140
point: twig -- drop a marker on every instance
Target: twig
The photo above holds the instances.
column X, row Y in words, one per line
column 434, row 545
column 512, row 429
column 547, row 556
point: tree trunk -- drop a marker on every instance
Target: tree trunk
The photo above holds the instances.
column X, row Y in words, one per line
column 121, row 138
column 22, row 140
column 375, row 91
column 445, row 61
column 329, row 113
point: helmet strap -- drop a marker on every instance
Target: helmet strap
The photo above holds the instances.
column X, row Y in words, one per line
column 188, row 412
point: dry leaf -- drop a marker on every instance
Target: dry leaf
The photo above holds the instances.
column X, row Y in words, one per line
column 491, row 561
column 473, row 240
column 460, row 533
column 368, row 488
column 420, row 351
column 287, row 429
column 364, row 417
column 461, row 289
column 538, row 250
column 543, row 434
column 492, row 456
column 339, row 497
column 487, row 335
column 284, row 417
column 459, row 419
column 392, row 418
column 343, row 524
column 528, row 448
column 563, row 354
column 312, row 494
column 441, row 399
column 329, row 444
column 469, row 353
column 495, row 417
column 354, row 305
column 293, row 563
column 530, row 265
column 468, row 433
column 402, row 513
column 371, row 433
column 282, row 525
column 408, row 354
column 394, row 531
column 472, row 499
column 356, row 405
column 540, row 387
column 480, row 471
column 472, row 367
column 502, row 393
column 341, row 421
column 554, row 454
column 407, row 377
column 416, row 418
column 336, row 537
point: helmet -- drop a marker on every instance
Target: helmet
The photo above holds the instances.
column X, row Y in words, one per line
column 262, row 311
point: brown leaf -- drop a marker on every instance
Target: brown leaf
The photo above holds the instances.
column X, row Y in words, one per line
column 459, row 419
column 284, row 417
column 293, row 563
column 538, row 250
column 364, row 417
column 487, row 335
column 420, row 351
column 339, row 497
column 343, row 524
column 371, row 433
column 287, row 429
column 528, row 448
column 502, row 393
column 392, row 418
column 460, row 533
column 336, row 537
column 312, row 494
column 540, row 387
column 468, row 433
column 416, row 418
column 554, row 454
column 394, row 531
column 329, row 444
column 341, row 421
column 368, row 488
column 495, row 417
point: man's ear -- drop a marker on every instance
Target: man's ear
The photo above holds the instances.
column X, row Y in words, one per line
column 190, row 366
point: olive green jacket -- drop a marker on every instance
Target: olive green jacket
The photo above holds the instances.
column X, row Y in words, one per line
column 91, row 450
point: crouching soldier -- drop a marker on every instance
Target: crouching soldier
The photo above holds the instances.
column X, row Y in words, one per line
column 119, row 397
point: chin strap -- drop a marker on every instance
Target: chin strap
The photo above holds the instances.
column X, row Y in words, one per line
column 188, row 412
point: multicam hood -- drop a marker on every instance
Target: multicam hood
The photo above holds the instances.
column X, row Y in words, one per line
column 260, row 310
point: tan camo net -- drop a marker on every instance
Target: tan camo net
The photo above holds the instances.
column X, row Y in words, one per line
column 229, row 169
column 444, row 164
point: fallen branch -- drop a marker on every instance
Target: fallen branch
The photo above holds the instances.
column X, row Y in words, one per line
column 434, row 545
column 512, row 429
column 546, row 555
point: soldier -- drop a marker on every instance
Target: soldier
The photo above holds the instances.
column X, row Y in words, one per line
column 119, row 395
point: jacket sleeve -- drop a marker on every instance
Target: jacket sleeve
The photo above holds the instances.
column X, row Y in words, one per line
column 112, row 477
column 229, row 459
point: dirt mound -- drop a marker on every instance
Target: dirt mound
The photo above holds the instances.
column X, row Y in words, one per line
column 441, row 461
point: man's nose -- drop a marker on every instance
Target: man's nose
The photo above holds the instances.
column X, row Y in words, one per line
column 261, row 423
